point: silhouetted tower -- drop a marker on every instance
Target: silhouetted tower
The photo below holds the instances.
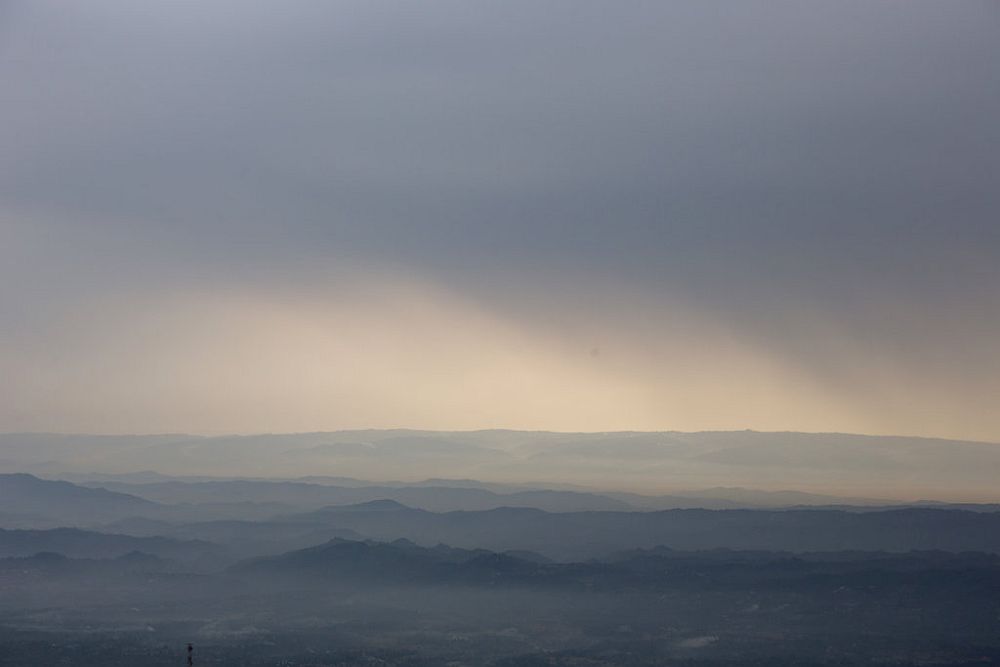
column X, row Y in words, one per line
column 190, row 655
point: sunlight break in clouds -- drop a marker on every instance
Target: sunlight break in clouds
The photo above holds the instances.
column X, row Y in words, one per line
column 666, row 215
column 377, row 354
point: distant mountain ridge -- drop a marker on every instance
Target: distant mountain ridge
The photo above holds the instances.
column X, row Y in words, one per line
column 317, row 495
column 857, row 466
column 65, row 501
column 454, row 496
column 574, row 535
column 398, row 562
column 401, row 562
column 75, row 543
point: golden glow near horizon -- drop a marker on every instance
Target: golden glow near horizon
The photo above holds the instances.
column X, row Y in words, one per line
column 379, row 353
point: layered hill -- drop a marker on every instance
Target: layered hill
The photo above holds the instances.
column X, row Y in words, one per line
column 75, row 543
column 577, row 535
column 900, row 468
column 27, row 495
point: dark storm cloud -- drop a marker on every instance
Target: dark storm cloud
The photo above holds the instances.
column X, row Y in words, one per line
column 855, row 133
column 819, row 177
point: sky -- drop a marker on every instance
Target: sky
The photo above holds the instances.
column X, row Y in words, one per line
column 238, row 217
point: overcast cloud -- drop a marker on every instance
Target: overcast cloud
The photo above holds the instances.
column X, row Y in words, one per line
column 564, row 215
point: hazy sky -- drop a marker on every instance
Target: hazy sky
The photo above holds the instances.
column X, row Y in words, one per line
column 285, row 216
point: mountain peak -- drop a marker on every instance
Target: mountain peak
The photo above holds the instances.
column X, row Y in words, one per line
column 381, row 505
